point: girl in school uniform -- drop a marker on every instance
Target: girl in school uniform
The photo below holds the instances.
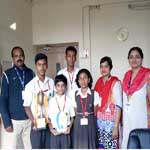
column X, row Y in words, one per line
column 61, row 115
column 86, row 102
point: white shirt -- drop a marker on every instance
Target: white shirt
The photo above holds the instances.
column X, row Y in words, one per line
column 55, row 108
column 97, row 99
column 71, row 84
column 34, row 87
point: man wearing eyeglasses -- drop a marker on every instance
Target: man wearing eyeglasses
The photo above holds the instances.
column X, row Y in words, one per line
column 15, row 120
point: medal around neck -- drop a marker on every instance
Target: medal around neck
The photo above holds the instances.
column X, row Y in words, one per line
column 61, row 120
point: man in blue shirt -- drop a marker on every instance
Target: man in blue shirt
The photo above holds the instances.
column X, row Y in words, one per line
column 15, row 120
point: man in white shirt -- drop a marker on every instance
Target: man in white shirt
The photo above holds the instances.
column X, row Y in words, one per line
column 70, row 71
column 37, row 95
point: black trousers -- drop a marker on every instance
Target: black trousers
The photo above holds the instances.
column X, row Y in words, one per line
column 40, row 139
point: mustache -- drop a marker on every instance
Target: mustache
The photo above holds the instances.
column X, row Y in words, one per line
column 19, row 60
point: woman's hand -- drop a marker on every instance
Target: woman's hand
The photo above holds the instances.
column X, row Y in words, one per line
column 115, row 133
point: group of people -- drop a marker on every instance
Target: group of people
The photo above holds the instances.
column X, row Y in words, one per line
column 39, row 112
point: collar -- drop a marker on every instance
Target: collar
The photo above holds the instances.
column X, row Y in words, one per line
column 80, row 93
column 60, row 97
column 45, row 80
column 75, row 68
column 23, row 68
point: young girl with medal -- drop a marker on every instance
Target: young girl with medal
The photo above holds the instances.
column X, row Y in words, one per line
column 61, row 115
column 86, row 102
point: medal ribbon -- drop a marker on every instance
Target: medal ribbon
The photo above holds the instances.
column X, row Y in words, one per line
column 59, row 106
column 71, row 78
column 41, row 88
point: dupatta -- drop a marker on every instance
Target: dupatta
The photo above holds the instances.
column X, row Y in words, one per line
column 138, row 82
column 104, row 90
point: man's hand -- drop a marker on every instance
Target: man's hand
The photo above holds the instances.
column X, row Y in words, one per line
column 9, row 129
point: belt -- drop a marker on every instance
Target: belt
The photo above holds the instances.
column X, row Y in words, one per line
column 89, row 113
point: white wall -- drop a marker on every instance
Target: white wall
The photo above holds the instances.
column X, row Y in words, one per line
column 104, row 26
column 19, row 11
column 58, row 21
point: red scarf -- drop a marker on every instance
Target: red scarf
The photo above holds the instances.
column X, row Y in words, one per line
column 104, row 90
column 138, row 82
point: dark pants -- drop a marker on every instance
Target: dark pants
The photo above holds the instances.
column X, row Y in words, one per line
column 60, row 141
column 40, row 139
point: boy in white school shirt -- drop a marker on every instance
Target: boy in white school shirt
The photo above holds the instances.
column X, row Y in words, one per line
column 61, row 114
column 70, row 71
column 37, row 95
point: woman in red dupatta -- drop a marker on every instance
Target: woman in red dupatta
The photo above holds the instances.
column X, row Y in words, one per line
column 136, row 92
column 108, row 114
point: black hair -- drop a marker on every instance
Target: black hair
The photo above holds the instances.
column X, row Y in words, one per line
column 17, row 47
column 40, row 56
column 108, row 60
column 138, row 49
column 71, row 48
column 87, row 72
column 61, row 78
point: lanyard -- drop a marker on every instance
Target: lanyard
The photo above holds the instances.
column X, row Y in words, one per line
column 71, row 78
column 83, row 106
column 22, row 80
column 41, row 88
column 128, row 88
column 59, row 106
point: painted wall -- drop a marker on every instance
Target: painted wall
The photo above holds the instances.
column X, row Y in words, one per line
column 58, row 21
column 19, row 11
column 104, row 26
